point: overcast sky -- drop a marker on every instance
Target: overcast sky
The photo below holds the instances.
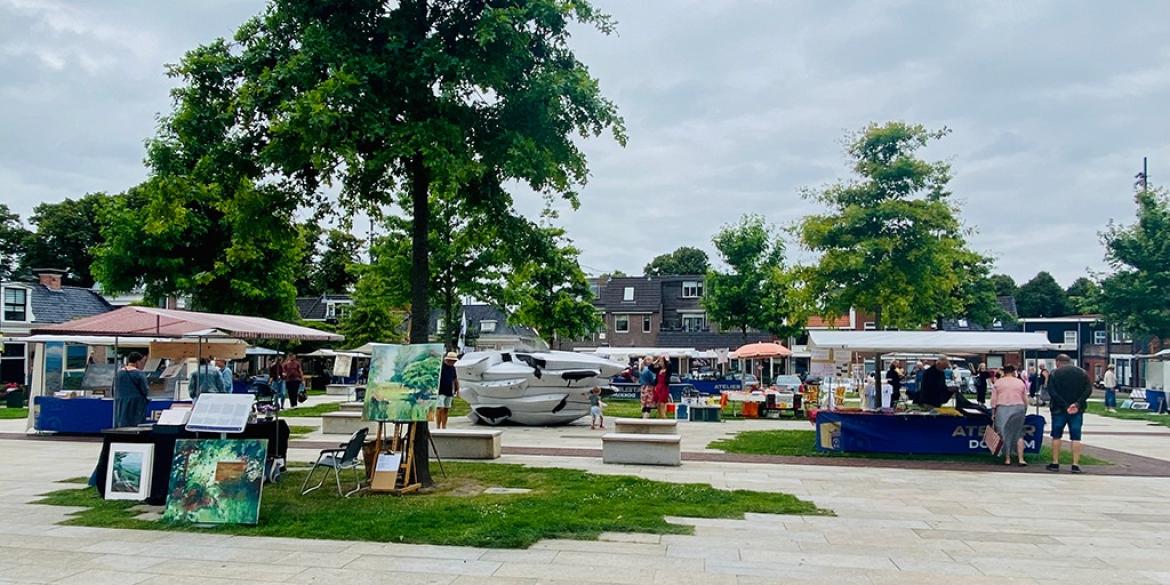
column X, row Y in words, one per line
column 731, row 107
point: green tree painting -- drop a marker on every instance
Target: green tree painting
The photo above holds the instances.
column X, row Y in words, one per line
column 403, row 382
column 216, row 481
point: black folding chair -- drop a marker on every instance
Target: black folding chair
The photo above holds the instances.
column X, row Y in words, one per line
column 348, row 456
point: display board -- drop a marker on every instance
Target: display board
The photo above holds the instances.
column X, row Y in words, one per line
column 403, row 382
column 99, row 376
column 914, row 434
column 221, row 413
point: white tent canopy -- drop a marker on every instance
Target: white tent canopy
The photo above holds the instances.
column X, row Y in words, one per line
column 625, row 353
column 928, row 341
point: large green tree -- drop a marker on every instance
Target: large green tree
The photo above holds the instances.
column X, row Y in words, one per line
column 13, row 238
column 1134, row 297
column 66, row 235
column 334, row 271
column 1005, row 286
column 759, row 292
column 1084, row 296
column 685, row 260
column 547, row 290
column 374, row 316
column 892, row 244
column 1042, row 297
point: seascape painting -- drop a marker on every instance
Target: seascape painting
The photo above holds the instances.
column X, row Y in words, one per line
column 127, row 471
column 216, row 481
column 403, row 382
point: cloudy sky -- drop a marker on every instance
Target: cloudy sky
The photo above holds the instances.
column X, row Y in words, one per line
column 731, row 106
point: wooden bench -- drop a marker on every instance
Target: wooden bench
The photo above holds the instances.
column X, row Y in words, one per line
column 645, row 426
column 641, row 449
column 466, row 444
column 345, row 423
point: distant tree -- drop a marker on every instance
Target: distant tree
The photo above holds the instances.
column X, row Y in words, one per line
column 1135, row 296
column 1084, row 296
column 892, row 244
column 685, row 260
column 376, row 315
column 618, row 274
column 1042, row 297
column 758, row 293
column 66, row 235
column 306, row 282
column 333, row 272
column 1005, row 286
column 548, row 291
column 13, row 239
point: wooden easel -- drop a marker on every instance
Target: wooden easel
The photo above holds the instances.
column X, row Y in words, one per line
column 403, row 480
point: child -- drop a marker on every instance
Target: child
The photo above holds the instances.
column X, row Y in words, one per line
column 595, row 406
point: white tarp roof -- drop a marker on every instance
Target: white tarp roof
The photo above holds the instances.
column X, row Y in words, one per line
column 625, row 353
column 1161, row 355
column 928, row 341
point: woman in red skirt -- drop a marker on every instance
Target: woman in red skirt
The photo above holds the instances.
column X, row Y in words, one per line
column 662, row 387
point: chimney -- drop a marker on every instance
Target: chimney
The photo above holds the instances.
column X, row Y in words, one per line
column 50, row 277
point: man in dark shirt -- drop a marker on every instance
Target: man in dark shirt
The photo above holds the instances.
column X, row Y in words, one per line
column 934, row 390
column 1069, row 388
column 448, row 388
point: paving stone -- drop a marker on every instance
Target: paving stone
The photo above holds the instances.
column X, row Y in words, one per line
column 506, row 491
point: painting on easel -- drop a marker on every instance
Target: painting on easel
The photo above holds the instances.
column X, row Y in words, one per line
column 403, row 382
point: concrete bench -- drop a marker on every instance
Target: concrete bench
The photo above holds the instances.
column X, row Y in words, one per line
column 340, row 389
column 345, row 423
column 645, row 426
column 470, row 444
column 641, row 449
column 352, row 406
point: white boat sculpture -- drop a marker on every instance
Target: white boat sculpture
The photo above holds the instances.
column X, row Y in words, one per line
column 531, row 388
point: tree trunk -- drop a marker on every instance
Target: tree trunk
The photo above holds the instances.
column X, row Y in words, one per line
column 420, row 268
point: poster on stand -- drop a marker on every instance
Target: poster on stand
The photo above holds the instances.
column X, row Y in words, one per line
column 403, row 382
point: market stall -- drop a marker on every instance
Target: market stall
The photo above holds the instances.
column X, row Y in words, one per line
column 945, row 430
column 163, row 333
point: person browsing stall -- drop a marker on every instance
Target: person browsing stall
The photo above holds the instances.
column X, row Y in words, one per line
column 935, row 390
column 647, row 379
column 225, row 372
column 294, row 380
column 131, row 393
column 894, row 378
column 448, row 389
column 205, row 379
column 1069, row 388
column 1009, row 403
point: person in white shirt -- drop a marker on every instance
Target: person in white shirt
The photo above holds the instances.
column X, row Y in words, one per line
column 1110, row 384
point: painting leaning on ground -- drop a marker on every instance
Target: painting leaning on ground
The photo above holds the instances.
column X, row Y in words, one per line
column 127, row 472
column 216, row 481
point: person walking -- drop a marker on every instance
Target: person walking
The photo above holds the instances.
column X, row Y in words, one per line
column 1009, row 406
column 276, row 379
column 1069, row 388
column 448, row 389
column 1110, row 384
column 648, row 378
column 595, row 408
column 205, row 379
column 894, row 377
column 981, row 378
column 294, row 380
column 131, row 393
column 1041, row 385
column 662, row 386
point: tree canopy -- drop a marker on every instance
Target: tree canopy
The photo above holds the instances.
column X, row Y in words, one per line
column 758, row 292
column 333, row 270
column 548, row 291
column 1084, row 296
column 13, row 238
column 684, row 260
column 66, row 234
column 892, row 244
column 1005, row 286
column 1042, row 297
column 1134, row 296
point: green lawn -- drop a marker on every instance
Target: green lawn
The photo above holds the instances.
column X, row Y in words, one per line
column 299, row 431
column 803, row 444
column 563, row 504
column 315, row 410
column 11, row 413
column 1099, row 408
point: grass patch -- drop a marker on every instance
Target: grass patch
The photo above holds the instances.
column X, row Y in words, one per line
column 1099, row 409
column 13, row 413
column 299, row 431
column 797, row 443
column 80, row 480
column 564, row 503
column 315, row 410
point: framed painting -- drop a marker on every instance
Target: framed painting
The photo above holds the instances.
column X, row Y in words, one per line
column 403, row 382
column 216, row 481
column 128, row 471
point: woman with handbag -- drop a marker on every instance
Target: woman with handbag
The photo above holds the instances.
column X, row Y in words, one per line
column 1009, row 403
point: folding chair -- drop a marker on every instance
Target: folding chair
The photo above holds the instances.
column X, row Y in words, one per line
column 345, row 457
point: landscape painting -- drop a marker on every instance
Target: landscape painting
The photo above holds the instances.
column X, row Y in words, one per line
column 216, row 481
column 128, row 471
column 403, row 382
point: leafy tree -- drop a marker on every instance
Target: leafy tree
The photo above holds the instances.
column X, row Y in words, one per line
column 409, row 97
column 1005, row 286
column 333, row 272
column 1134, row 296
column 374, row 316
column 758, row 293
column 1084, row 296
column 1042, row 297
column 685, row 260
column 892, row 244
column 548, row 291
column 13, row 238
column 65, row 236
column 977, row 292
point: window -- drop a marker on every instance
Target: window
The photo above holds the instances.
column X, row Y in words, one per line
column 646, row 324
column 1099, row 337
column 1070, row 337
column 335, row 311
column 439, row 325
column 487, row 326
column 870, row 326
column 963, row 323
column 692, row 289
column 628, row 294
column 1120, row 336
column 595, row 289
column 997, row 324
column 994, row 362
column 1097, row 373
column 694, row 322
column 15, row 304
column 12, row 363
column 621, row 323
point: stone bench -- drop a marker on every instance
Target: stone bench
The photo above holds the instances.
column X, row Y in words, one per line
column 641, row 449
column 345, row 423
column 469, row 444
column 340, row 389
column 352, row 406
column 645, row 426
